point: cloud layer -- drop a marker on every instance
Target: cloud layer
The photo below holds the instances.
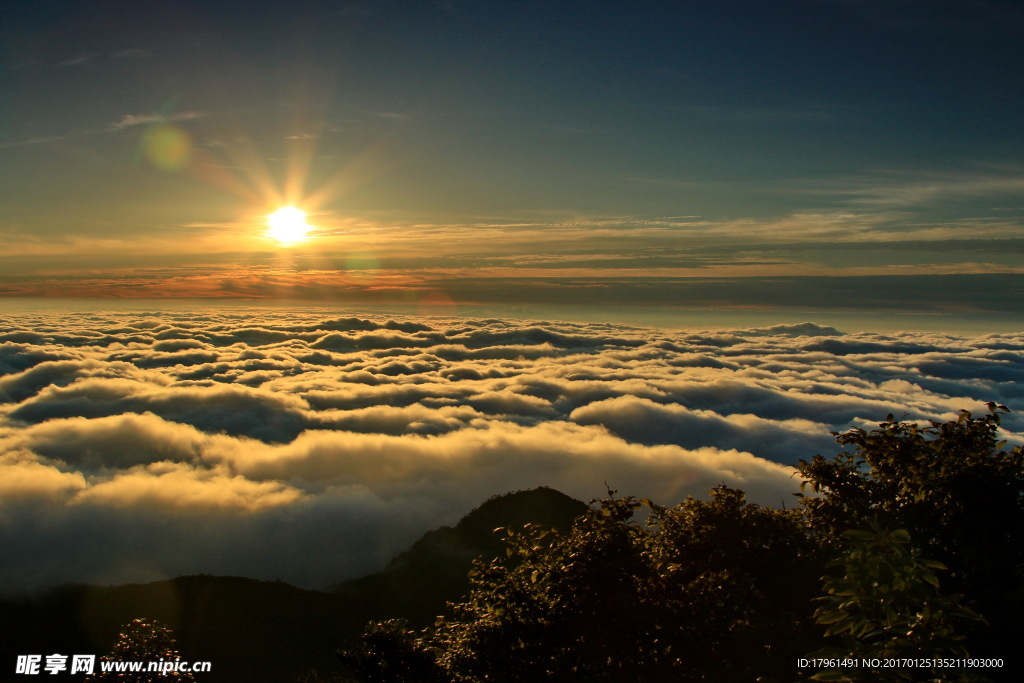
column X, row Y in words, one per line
column 308, row 448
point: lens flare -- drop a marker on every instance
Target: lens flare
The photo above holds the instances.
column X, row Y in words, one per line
column 167, row 147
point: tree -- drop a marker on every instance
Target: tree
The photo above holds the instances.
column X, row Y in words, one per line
column 724, row 590
column 885, row 604
column 705, row 590
column 143, row 640
column 954, row 490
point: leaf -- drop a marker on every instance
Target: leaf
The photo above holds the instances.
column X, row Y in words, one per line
column 865, row 628
column 830, row 617
column 902, row 535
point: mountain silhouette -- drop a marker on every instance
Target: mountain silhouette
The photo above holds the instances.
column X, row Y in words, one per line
column 254, row 630
column 417, row 583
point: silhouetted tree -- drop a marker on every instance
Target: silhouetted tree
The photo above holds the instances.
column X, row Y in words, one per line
column 954, row 490
column 718, row 590
column 143, row 640
column 724, row 590
column 389, row 652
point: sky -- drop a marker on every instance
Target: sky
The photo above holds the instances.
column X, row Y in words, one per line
column 826, row 154
column 652, row 246
column 137, row 446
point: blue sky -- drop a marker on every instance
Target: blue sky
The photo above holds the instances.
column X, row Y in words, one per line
column 435, row 144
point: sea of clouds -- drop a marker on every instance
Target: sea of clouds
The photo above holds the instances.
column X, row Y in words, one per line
column 295, row 445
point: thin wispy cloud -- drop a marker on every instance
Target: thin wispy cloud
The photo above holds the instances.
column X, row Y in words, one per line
column 125, row 122
column 897, row 190
column 131, row 120
column 80, row 60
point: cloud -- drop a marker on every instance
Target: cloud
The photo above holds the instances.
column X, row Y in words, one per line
column 126, row 121
column 23, row 478
column 249, row 437
column 108, row 443
column 228, row 408
column 80, row 60
column 131, row 120
column 896, row 190
column 644, row 421
column 162, row 487
column 798, row 330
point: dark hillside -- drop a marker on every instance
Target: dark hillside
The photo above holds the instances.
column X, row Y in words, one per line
column 250, row 630
column 417, row 583
column 271, row 631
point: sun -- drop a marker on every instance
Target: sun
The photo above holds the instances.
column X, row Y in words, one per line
column 288, row 225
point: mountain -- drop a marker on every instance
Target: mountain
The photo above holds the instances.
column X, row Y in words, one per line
column 417, row 584
column 249, row 630
column 255, row 631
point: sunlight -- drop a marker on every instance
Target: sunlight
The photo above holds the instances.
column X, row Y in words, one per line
column 288, row 225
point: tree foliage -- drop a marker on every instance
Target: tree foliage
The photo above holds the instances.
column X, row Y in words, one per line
column 953, row 489
column 692, row 593
column 885, row 603
column 389, row 652
column 918, row 529
column 144, row 640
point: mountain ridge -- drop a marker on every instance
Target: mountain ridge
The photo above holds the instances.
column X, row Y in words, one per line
column 254, row 630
